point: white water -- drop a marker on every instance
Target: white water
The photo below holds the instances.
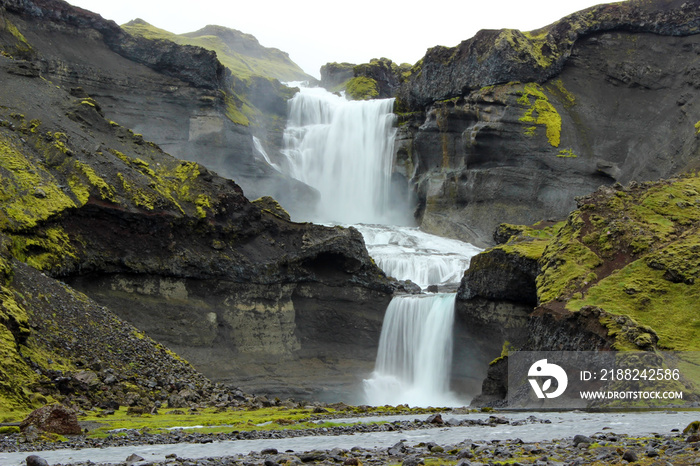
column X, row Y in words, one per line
column 344, row 149
column 261, row 150
column 415, row 353
column 406, row 253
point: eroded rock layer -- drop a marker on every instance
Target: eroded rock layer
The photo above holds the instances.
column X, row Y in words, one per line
column 511, row 126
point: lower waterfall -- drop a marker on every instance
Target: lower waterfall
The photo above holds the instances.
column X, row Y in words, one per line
column 414, row 359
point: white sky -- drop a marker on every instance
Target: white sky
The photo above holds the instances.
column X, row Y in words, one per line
column 316, row 32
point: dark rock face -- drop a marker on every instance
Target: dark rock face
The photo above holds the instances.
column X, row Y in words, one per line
column 500, row 56
column 233, row 286
column 178, row 96
column 610, row 97
column 496, row 274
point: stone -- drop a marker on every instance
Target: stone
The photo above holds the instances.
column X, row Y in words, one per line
column 397, row 450
column 412, row 461
column 435, row 419
column 630, row 455
column 579, row 439
column 134, row 458
column 465, row 454
column 34, row 460
column 55, row 418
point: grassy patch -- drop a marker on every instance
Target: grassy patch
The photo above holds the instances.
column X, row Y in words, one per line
column 643, row 294
column 211, row 421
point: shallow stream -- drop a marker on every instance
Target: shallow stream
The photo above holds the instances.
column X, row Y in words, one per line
column 561, row 426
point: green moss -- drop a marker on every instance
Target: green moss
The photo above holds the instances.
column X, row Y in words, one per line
column 556, row 88
column 527, row 241
column 234, row 112
column 22, row 48
column 28, row 193
column 566, row 153
column 45, row 250
column 697, row 127
column 270, row 205
column 530, row 46
column 362, row 88
column 540, row 111
column 566, row 263
column 144, row 198
column 105, row 190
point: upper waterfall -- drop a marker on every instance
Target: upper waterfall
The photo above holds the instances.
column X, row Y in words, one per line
column 344, row 150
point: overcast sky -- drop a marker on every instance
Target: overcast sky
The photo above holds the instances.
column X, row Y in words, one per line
column 316, row 32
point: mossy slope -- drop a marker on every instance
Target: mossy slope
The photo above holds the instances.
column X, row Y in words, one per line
column 256, row 71
column 631, row 251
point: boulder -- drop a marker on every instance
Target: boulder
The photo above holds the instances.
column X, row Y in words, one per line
column 55, row 419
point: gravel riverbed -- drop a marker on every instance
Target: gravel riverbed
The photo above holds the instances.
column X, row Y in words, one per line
column 540, row 438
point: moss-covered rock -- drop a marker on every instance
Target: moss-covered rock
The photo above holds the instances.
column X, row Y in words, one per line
column 499, row 56
column 380, row 78
column 632, row 252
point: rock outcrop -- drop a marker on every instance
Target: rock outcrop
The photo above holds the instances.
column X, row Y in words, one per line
column 378, row 79
column 177, row 95
column 620, row 274
column 233, row 286
column 511, row 126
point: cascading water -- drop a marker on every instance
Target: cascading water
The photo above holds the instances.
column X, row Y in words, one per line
column 415, row 353
column 344, row 150
column 406, row 253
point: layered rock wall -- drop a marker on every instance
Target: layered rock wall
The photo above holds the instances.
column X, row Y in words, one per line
column 511, row 126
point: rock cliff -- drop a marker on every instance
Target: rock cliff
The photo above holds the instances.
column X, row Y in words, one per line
column 233, row 286
column 175, row 94
column 510, row 126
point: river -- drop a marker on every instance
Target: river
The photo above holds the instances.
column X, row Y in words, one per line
column 561, row 426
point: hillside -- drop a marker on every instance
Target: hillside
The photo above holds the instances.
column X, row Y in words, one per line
column 239, row 52
column 619, row 274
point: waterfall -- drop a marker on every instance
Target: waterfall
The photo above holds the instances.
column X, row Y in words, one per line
column 414, row 359
column 344, row 150
column 261, row 150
